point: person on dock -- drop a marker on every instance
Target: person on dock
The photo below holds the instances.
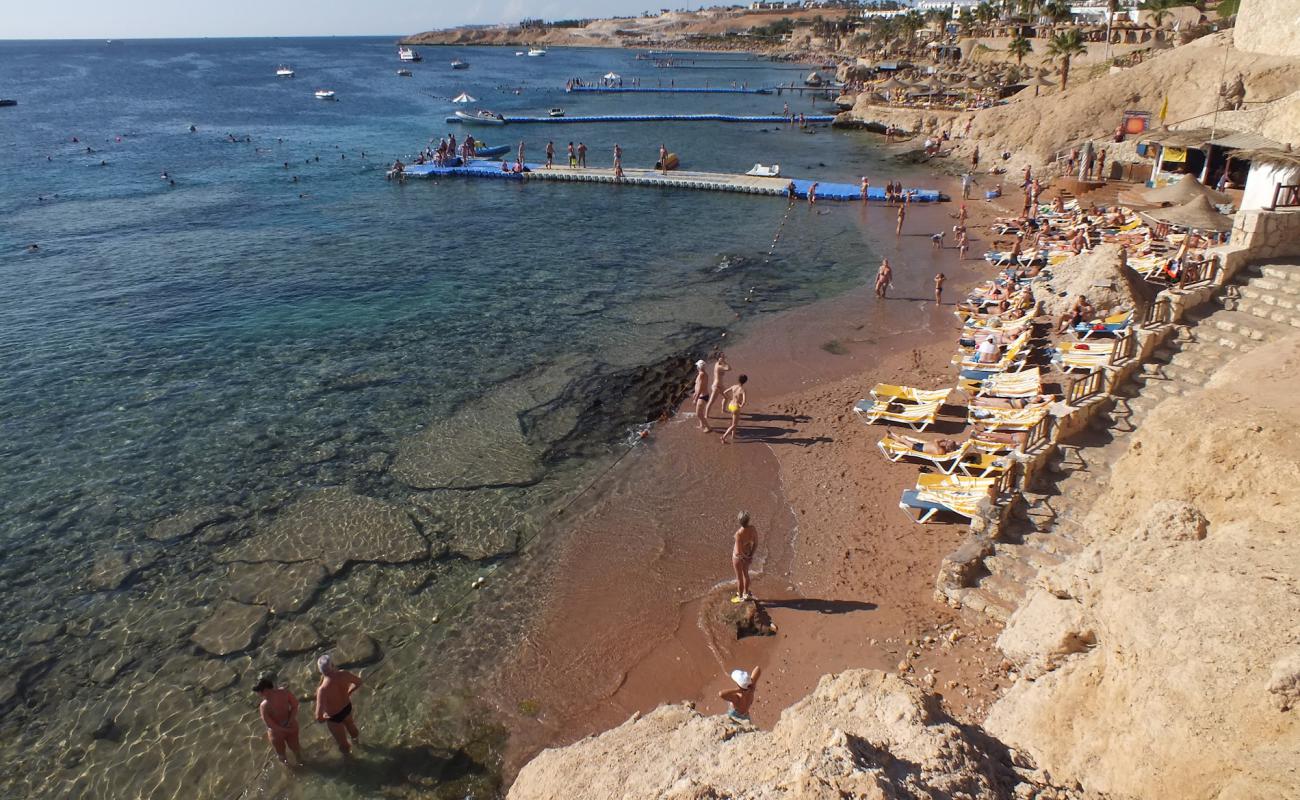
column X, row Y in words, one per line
column 791, row 192
column 573, row 158
column 550, row 155
column 902, row 215
column 663, row 158
column 812, row 194
column 785, row 111
column 741, row 698
column 279, row 712
column 720, row 368
column 938, row 288
column 520, row 157
column 334, row 702
column 866, row 186
column 618, row 160
column 884, row 277
column 735, row 397
column 742, row 556
column 701, row 395
column 582, row 155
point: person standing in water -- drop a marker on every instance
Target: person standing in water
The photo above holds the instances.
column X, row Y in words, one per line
column 884, row 276
column 334, row 702
column 735, row 398
column 742, row 556
column 279, row 712
column 701, row 395
column 866, row 186
column 902, row 214
column 742, row 697
column 720, row 368
column 938, row 289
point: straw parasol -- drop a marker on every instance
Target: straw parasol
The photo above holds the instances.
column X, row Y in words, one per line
column 1039, row 81
column 1181, row 191
column 891, row 84
column 1195, row 214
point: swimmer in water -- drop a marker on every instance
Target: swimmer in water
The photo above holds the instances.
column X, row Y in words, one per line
column 735, row 397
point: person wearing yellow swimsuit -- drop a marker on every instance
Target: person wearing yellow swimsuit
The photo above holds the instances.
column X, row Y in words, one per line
column 735, row 397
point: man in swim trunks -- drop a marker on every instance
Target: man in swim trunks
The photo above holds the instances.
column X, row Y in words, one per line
column 720, row 368
column 902, row 214
column 939, row 447
column 334, row 702
column 742, row 697
column 742, row 555
column 582, row 155
column 938, row 288
column 735, row 397
column 663, row 158
column 884, row 276
column 701, row 395
column 279, row 711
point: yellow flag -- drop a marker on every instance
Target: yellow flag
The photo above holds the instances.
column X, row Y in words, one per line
column 1164, row 109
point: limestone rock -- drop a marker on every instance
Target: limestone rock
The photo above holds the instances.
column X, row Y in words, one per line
column 861, row 733
column 1097, row 275
column 284, row 588
column 1173, row 520
column 114, row 568
column 232, row 628
column 1284, row 682
column 187, row 523
column 1042, row 631
column 293, row 637
column 334, row 527
column 356, row 650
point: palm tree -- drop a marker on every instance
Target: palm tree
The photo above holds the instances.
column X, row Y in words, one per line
column 1159, row 9
column 1065, row 46
column 1020, row 47
column 1059, row 11
column 985, row 13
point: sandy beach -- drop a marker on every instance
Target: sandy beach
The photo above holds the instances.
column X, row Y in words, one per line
column 846, row 578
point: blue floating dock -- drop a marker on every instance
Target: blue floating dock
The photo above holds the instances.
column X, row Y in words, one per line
column 771, row 118
column 706, row 181
column 666, row 89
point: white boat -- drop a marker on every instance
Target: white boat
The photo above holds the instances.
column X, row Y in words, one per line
column 519, row 52
column 409, row 54
column 458, row 64
column 556, row 112
column 283, row 71
column 536, row 51
column 761, row 171
column 325, row 94
column 480, row 117
column 404, row 73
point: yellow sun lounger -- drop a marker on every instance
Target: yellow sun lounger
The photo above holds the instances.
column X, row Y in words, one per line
column 1013, row 357
column 897, row 448
column 926, row 504
column 1026, row 383
column 983, row 464
column 1020, row 419
column 935, row 482
column 918, row 416
column 890, row 393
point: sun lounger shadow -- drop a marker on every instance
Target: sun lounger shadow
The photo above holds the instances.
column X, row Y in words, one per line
column 779, row 417
column 821, row 606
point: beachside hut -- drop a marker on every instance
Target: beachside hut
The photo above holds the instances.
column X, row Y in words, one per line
column 1196, row 214
column 464, row 97
column 1273, row 180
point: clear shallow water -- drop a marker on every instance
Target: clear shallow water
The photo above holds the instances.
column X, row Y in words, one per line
column 187, row 368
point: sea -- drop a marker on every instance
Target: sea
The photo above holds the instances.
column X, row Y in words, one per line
column 259, row 403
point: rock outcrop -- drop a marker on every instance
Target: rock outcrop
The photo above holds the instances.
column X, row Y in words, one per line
column 860, row 734
column 1164, row 659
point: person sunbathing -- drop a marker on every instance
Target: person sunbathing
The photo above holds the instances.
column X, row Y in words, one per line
column 1081, row 311
column 939, row 447
column 1012, row 402
column 1017, row 439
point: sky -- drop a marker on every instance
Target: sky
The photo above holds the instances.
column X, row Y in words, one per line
column 127, row 19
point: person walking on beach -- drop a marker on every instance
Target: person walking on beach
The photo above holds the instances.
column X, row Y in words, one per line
column 701, row 395
column 582, row 155
column 938, row 288
column 742, row 697
column 279, row 712
column 965, row 185
column 573, row 158
column 975, row 159
column 742, row 556
column 735, row 397
column 550, row 155
column 902, row 214
column 334, row 702
column 663, row 158
column 812, row 194
column 720, row 368
column 884, row 277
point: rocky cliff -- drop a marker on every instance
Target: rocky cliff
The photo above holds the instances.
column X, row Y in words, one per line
column 1164, row 660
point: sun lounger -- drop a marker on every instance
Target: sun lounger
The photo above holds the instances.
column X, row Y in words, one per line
column 897, row 448
column 890, row 393
column 1013, row 358
column 936, row 482
column 1110, row 326
column 925, row 505
column 916, row 416
column 1082, row 360
column 982, row 465
column 1004, row 419
column 1026, row 383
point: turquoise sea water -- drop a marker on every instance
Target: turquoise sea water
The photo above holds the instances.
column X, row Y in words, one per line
column 196, row 374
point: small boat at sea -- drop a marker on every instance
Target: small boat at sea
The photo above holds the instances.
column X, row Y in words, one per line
column 556, row 112
column 519, row 52
column 458, row 64
column 536, row 51
column 284, row 71
column 409, row 54
column 490, row 152
column 481, row 117
column 7, row 102
column 325, row 94
column 814, row 79
column 404, row 73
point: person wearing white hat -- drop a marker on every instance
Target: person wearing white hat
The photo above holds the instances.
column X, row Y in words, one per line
column 701, row 395
column 742, row 697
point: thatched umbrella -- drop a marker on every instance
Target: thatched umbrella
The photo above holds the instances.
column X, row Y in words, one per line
column 890, row 85
column 1039, row 81
column 1196, row 214
column 1185, row 189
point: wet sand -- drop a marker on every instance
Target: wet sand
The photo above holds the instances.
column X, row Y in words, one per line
column 638, row 584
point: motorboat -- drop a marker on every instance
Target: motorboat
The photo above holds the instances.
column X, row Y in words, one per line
column 761, row 171
column 325, row 94
column 409, row 54
column 556, row 112
column 284, row 71
column 480, row 117
column 536, row 51
column 458, row 64
column 519, row 52
column 814, row 79
column 405, row 73
column 6, row 102
column 490, row 152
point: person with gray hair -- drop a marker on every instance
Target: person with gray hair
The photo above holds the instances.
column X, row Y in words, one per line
column 334, row 702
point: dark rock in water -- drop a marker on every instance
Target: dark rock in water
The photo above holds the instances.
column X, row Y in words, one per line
column 187, row 523
column 233, row 628
column 39, row 634
column 747, row 618
column 105, row 728
column 356, row 650
column 293, row 637
column 114, row 568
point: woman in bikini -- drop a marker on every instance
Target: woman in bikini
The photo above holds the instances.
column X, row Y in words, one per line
column 735, row 397
column 720, row 368
column 742, row 555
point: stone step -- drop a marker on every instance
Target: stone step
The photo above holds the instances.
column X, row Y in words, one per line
column 983, row 602
column 1009, row 566
column 1208, row 360
column 1008, row 590
column 1030, row 554
column 1273, row 313
column 1261, row 284
column 1283, row 272
column 1276, row 294
column 1053, row 542
column 1186, row 375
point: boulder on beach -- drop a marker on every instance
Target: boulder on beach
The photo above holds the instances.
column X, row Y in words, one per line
column 1099, row 275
